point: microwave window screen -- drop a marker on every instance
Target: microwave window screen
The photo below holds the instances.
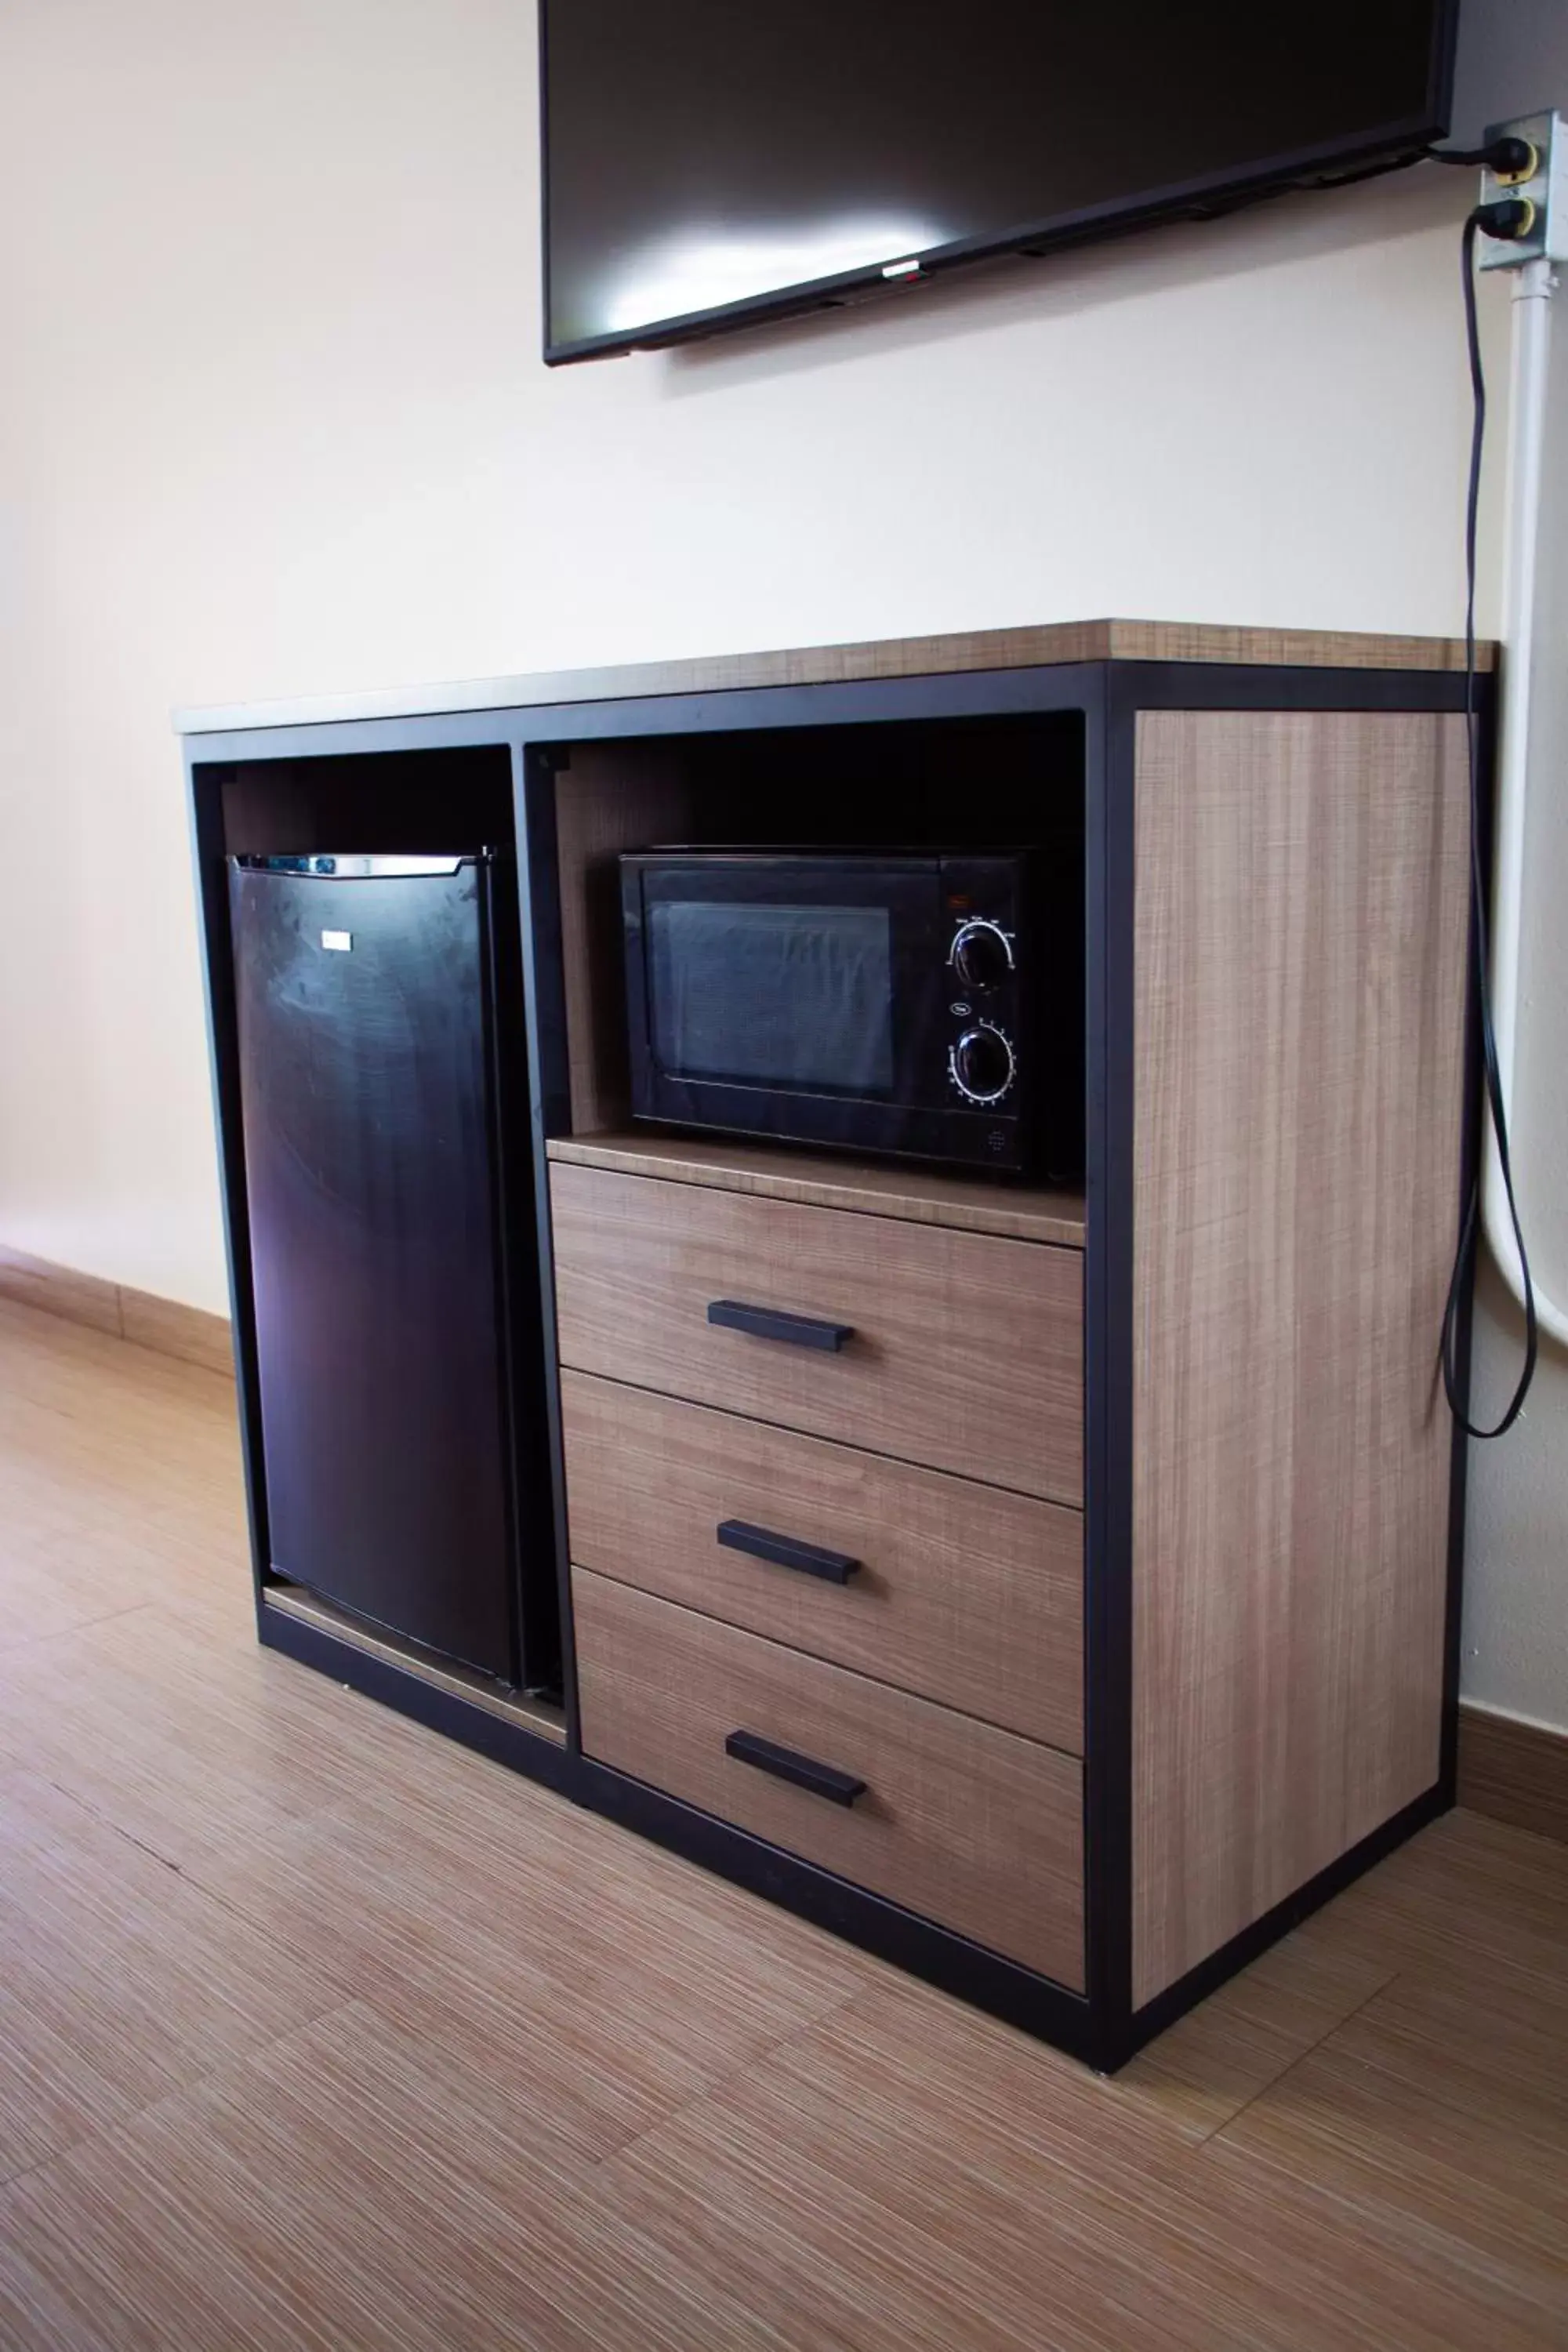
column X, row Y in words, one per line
column 771, row 995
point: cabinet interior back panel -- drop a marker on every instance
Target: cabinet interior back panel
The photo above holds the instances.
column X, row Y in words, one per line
column 1300, row 921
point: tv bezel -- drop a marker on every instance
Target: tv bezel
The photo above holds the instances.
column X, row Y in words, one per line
column 1388, row 147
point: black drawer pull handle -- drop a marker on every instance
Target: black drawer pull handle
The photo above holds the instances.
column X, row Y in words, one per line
column 787, row 1551
column 822, row 1780
column 773, row 1323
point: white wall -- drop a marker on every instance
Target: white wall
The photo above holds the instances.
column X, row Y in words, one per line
column 272, row 421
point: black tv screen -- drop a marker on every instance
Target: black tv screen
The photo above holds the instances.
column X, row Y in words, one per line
column 710, row 160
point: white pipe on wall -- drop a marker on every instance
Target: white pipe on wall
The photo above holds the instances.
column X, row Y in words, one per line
column 1528, row 411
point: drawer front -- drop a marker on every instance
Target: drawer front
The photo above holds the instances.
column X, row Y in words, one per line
column 972, row 1827
column 965, row 1594
column 965, row 1351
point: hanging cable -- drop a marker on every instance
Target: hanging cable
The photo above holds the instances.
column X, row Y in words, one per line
column 1507, row 218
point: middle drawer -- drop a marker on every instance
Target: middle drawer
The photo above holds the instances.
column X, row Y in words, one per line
column 960, row 1350
column 962, row 1594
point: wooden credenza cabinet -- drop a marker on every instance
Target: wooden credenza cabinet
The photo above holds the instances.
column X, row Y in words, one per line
column 1099, row 1596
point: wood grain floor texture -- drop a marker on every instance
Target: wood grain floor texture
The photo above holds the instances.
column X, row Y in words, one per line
column 316, row 2031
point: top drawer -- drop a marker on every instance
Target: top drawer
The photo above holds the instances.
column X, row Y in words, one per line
column 966, row 1351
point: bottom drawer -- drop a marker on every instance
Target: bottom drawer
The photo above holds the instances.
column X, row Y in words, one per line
column 969, row 1825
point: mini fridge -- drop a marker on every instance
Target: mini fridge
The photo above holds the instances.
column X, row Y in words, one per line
column 392, row 1250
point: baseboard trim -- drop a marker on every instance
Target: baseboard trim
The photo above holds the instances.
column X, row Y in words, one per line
column 173, row 1330
column 147, row 1321
column 1514, row 1772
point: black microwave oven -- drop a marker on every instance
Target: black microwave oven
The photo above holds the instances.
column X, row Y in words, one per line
column 929, row 1005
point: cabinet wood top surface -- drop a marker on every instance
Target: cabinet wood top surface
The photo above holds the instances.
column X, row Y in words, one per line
column 977, row 649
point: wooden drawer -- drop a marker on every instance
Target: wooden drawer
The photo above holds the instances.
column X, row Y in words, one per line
column 972, row 1826
column 966, row 1350
column 966, row 1594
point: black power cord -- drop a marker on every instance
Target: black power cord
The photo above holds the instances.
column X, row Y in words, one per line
column 1510, row 217
column 1508, row 158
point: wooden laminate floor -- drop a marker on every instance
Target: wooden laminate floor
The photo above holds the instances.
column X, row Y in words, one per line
column 317, row 2032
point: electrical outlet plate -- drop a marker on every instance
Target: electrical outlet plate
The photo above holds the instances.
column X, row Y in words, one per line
column 1547, row 190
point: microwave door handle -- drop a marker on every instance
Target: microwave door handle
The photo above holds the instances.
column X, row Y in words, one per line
column 773, row 1323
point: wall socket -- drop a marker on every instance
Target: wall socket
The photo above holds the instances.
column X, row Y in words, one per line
column 1546, row 187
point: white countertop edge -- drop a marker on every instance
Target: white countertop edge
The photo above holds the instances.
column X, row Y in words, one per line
column 542, row 686
column 845, row 663
column 1042, row 643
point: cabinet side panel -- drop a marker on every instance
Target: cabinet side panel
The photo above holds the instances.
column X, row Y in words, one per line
column 1300, row 920
column 613, row 797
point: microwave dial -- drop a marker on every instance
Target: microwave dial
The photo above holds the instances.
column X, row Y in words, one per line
column 980, row 1064
column 982, row 954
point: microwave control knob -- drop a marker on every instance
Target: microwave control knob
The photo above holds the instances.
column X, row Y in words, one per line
column 982, row 955
column 981, row 1063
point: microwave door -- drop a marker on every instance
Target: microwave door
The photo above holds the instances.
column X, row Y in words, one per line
column 785, row 998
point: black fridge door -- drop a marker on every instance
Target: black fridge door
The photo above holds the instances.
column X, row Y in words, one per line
column 367, row 1037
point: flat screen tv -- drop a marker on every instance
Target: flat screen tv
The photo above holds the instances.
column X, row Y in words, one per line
column 708, row 162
